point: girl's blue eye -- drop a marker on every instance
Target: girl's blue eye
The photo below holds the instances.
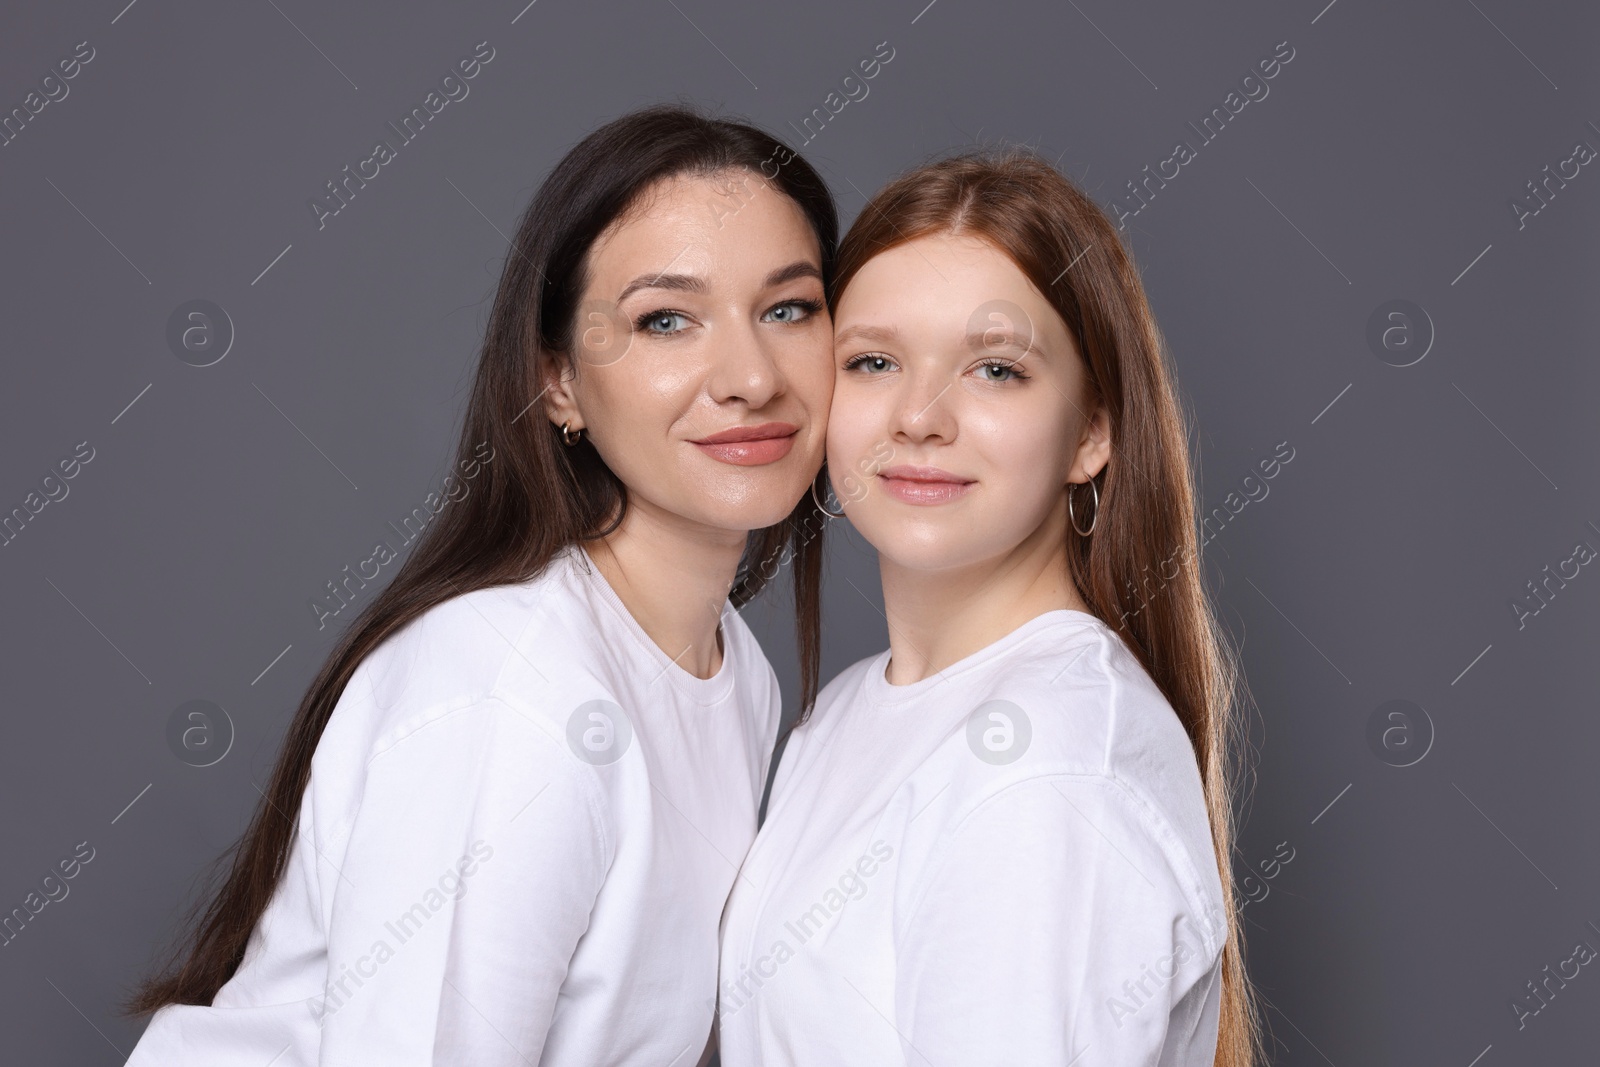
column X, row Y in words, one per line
column 1000, row 371
column 869, row 362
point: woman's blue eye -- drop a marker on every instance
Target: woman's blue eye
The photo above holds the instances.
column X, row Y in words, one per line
column 1000, row 372
column 660, row 322
column 793, row 311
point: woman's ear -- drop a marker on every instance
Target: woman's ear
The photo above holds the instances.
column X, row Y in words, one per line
column 556, row 379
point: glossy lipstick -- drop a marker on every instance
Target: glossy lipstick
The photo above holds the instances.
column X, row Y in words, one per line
column 750, row 446
column 923, row 485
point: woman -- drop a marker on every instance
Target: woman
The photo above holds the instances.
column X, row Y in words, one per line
column 509, row 811
column 990, row 844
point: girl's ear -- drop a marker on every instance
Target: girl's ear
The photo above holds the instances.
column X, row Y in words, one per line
column 1095, row 450
column 557, row 376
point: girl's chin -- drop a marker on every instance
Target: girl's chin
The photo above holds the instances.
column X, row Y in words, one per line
column 934, row 550
column 938, row 539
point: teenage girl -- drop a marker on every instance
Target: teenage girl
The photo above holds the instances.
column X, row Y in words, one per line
column 1004, row 839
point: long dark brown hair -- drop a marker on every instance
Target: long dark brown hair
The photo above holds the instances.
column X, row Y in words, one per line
column 535, row 498
column 1145, row 524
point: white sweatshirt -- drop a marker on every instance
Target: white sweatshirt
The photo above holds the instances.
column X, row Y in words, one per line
column 1006, row 863
column 521, row 827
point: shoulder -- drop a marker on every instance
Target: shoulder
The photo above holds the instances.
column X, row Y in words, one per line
column 528, row 646
column 1076, row 727
column 1086, row 704
column 479, row 764
column 831, row 708
column 835, row 699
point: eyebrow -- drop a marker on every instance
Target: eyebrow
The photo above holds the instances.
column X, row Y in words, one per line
column 883, row 335
column 800, row 268
column 694, row 283
column 683, row 283
column 977, row 341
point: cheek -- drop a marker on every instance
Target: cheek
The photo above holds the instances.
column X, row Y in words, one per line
column 804, row 361
column 1026, row 454
column 641, row 391
column 813, row 380
column 628, row 414
column 854, row 424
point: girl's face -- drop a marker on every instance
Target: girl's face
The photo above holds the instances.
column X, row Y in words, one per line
column 960, row 408
column 701, row 364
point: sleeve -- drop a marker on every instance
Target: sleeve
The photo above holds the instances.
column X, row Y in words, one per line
column 1053, row 929
column 467, row 880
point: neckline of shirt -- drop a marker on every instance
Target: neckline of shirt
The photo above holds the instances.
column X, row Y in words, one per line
column 704, row 691
column 883, row 693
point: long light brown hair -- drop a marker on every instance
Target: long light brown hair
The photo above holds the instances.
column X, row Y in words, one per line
column 1139, row 570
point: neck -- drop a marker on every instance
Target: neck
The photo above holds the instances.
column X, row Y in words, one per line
column 939, row 617
column 673, row 576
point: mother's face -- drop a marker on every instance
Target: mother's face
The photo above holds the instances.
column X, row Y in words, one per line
column 702, row 354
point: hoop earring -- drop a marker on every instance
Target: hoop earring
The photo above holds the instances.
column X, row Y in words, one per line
column 1073, row 518
column 822, row 507
column 568, row 438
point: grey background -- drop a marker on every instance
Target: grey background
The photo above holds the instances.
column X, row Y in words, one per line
column 1381, row 565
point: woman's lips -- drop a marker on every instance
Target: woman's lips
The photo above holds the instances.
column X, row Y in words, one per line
column 750, row 446
column 923, row 485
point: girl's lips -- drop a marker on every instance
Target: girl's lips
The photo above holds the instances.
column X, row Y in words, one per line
column 750, row 446
column 923, row 485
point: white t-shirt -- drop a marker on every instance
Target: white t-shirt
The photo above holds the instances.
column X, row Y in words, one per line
column 1006, row 863
column 521, row 827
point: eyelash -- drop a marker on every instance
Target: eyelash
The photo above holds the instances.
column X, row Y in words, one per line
column 810, row 306
column 640, row 322
column 855, row 361
column 1018, row 374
